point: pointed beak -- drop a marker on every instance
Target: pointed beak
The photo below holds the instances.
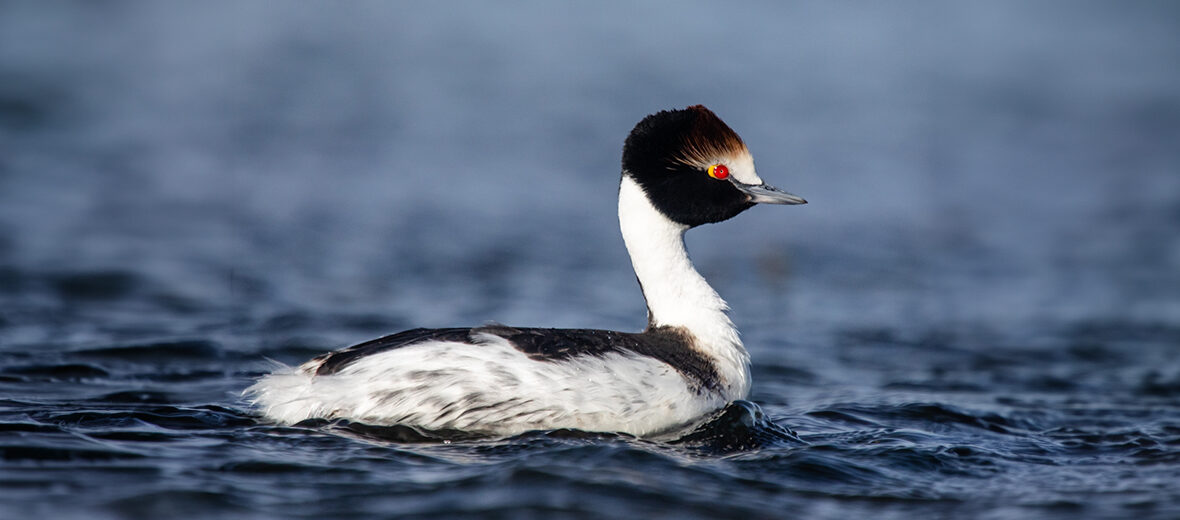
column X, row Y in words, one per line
column 766, row 194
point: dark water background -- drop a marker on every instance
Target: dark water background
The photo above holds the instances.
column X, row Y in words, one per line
column 978, row 315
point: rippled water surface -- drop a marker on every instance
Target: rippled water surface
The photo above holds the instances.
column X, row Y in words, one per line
column 977, row 315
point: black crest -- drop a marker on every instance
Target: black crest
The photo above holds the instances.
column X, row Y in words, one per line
column 668, row 154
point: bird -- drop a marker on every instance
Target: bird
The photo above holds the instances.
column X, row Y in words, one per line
column 681, row 169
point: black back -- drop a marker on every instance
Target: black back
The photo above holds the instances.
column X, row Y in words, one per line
column 668, row 154
column 666, row 344
column 332, row 362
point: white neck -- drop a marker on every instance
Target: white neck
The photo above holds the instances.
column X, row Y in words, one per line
column 677, row 295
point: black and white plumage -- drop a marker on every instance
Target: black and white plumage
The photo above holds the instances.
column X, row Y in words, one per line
column 681, row 169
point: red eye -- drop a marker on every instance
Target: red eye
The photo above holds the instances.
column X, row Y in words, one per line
column 718, row 171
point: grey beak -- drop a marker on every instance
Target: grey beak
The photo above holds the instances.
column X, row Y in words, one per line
column 767, row 194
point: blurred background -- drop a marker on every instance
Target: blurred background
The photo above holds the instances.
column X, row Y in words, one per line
column 189, row 188
column 317, row 173
column 992, row 164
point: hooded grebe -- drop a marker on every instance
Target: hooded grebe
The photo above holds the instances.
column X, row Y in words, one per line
column 681, row 169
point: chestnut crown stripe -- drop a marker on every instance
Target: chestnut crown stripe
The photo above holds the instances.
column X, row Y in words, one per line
column 709, row 139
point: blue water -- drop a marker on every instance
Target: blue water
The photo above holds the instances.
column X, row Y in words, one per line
column 977, row 315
